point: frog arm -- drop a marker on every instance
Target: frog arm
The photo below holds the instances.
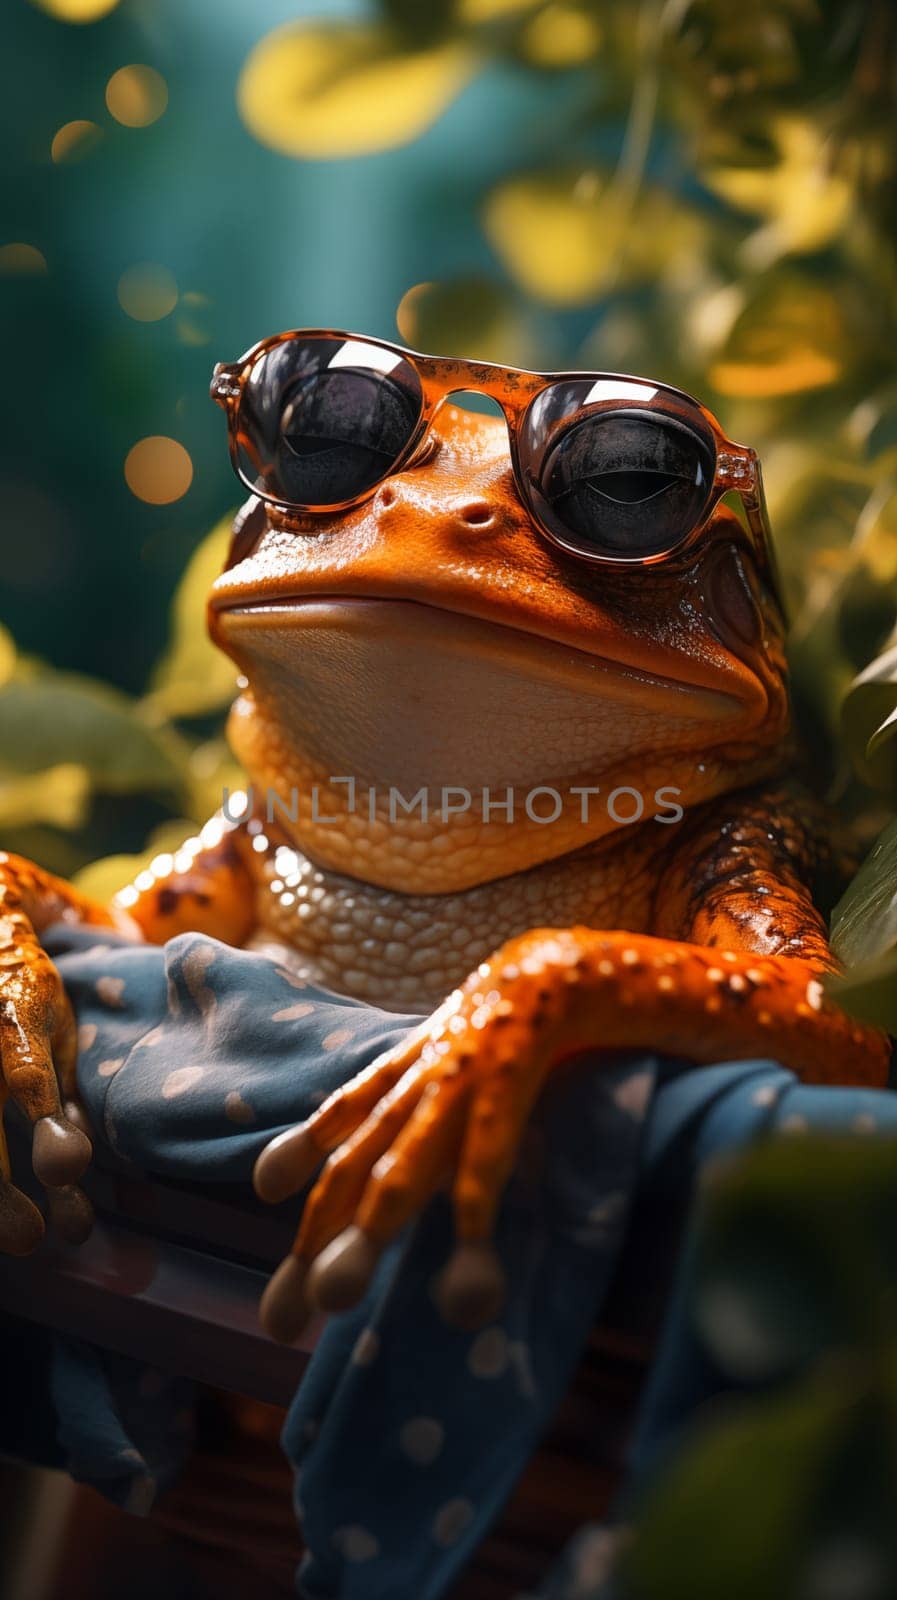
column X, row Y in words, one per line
column 38, row 1049
column 205, row 887
column 743, row 873
column 453, row 1099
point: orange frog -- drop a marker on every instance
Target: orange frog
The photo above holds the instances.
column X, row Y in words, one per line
column 515, row 715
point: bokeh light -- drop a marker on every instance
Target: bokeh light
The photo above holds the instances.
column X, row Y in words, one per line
column 20, row 260
column 470, row 316
column 158, row 470
column 407, row 311
column 561, row 36
column 76, row 10
column 147, row 292
column 74, row 140
column 136, row 96
column 192, row 318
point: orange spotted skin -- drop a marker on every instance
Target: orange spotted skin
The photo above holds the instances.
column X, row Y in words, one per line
column 432, row 637
column 38, row 1048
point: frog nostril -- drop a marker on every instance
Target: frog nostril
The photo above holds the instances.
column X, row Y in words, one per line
column 387, row 496
column 478, row 513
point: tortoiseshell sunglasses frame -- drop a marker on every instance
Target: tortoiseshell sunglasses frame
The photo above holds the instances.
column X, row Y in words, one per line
column 736, row 466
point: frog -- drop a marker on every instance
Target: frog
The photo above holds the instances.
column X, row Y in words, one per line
column 428, row 643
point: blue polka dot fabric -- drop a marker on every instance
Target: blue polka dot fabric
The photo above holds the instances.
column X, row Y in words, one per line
column 406, row 1435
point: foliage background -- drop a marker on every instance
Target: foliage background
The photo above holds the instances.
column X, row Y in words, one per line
column 701, row 191
column 682, row 188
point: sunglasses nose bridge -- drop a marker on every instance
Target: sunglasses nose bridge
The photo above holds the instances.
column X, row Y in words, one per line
column 510, row 408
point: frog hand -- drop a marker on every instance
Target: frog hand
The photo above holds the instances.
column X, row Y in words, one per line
column 449, row 1104
column 38, row 1045
column 452, row 1101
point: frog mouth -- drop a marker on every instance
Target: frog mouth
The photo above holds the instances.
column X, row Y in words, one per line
column 385, row 638
column 416, row 696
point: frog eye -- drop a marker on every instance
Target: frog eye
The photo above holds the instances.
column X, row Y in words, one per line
column 323, row 420
column 625, row 483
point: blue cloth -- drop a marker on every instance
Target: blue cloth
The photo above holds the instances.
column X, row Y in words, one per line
column 406, row 1435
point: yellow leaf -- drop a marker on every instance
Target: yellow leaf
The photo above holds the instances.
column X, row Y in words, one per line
column 877, row 534
column 58, row 796
column 805, row 201
column 567, row 236
column 491, row 10
column 193, row 676
column 7, row 655
column 791, row 373
column 325, row 90
column 789, row 338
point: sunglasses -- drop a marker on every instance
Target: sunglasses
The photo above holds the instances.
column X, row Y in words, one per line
column 611, row 469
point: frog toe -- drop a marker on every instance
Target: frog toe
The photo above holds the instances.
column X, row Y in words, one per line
column 341, row 1274
column 470, row 1291
column 285, row 1309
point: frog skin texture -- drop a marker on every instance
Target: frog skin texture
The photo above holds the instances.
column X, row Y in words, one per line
column 432, row 637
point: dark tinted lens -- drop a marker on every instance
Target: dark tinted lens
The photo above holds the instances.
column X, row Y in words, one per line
column 625, row 483
column 323, row 420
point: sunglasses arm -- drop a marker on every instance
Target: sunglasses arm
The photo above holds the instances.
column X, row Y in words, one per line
column 738, row 468
column 756, row 511
column 225, row 385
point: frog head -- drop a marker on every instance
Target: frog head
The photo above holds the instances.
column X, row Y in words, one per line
column 440, row 695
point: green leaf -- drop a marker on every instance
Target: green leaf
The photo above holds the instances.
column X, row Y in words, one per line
column 796, row 1264
column 60, row 719
column 869, row 991
column 59, row 797
column 789, row 1251
column 790, row 1498
column 194, row 677
column 731, row 1517
column 864, row 922
column 864, row 938
column 869, row 723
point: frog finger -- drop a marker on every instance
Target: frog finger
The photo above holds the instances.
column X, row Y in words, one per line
column 287, row 1302
column 286, row 1164
column 472, row 1288
column 399, row 1186
column 35, row 1002
column 285, row 1309
column 498, row 1117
